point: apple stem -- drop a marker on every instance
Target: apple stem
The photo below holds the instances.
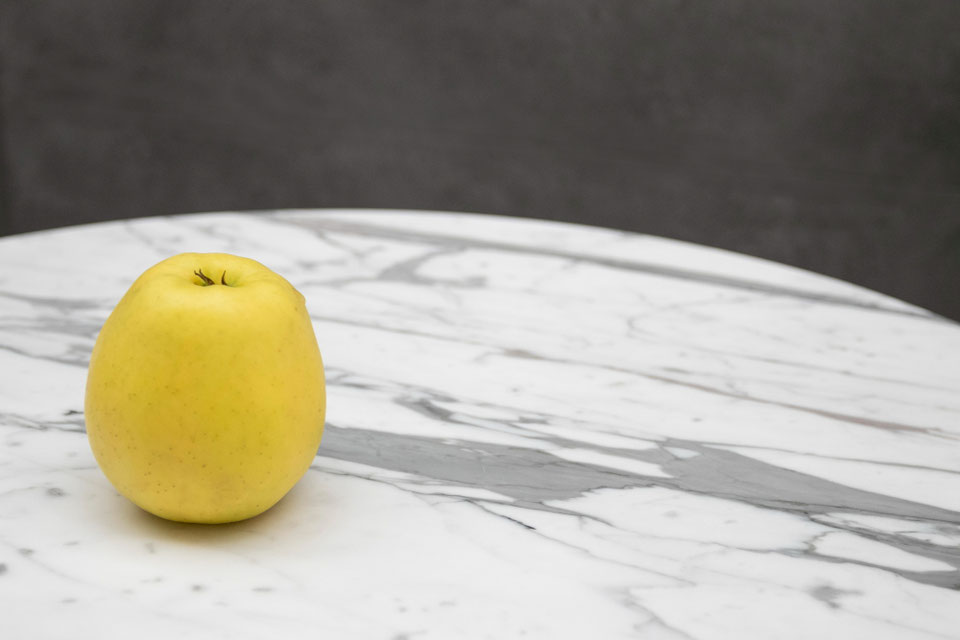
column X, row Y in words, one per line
column 206, row 281
column 223, row 280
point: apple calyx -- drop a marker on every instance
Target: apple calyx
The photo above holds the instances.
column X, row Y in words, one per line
column 207, row 281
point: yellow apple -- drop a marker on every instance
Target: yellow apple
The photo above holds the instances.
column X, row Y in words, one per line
column 205, row 398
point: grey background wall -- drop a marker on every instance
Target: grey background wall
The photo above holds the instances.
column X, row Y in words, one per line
column 823, row 133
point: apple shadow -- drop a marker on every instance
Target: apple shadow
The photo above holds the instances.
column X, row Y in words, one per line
column 275, row 522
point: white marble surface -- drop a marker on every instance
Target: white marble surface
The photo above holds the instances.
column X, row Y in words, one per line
column 535, row 430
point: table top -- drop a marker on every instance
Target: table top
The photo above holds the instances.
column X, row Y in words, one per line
column 534, row 430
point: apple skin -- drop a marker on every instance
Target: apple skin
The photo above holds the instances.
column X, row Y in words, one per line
column 206, row 402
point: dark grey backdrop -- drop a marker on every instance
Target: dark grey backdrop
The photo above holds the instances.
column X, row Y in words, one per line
column 821, row 133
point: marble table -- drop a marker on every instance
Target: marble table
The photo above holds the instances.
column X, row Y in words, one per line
column 535, row 430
